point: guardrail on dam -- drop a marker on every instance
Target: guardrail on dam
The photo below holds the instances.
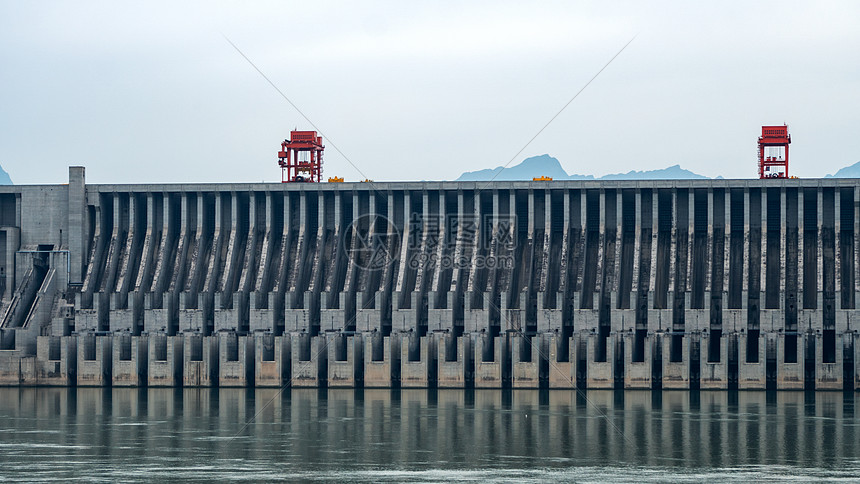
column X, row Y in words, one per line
column 711, row 284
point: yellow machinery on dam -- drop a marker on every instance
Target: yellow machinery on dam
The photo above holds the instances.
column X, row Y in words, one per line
column 709, row 284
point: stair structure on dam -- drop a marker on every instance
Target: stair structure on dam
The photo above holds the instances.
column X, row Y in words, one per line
column 713, row 284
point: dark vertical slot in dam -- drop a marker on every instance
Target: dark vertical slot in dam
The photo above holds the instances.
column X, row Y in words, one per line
column 754, row 278
column 699, row 261
column 532, row 266
column 231, row 342
column 488, row 353
column 450, row 342
column 271, row 281
column 330, row 253
column 133, row 263
column 810, row 248
column 639, row 345
column 105, row 220
column 608, row 273
column 592, row 238
column 556, row 238
column 487, row 234
column 645, row 262
column 174, row 221
column 189, row 223
column 466, row 239
column 241, row 226
column 125, row 347
column 628, row 240
column 414, row 349
column 773, row 264
column 154, row 222
column 339, row 346
column 846, row 247
column 736, row 249
column 717, row 275
column 218, row 258
column 828, row 259
column 503, row 240
column 119, row 208
column 413, row 255
column 304, row 346
column 311, row 207
column 525, row 348
column 676, row 347
column 790, row 283
column 397, row 216
column 522, row 251
column 451, row 220
column 267, row 348
column 91, row 219
column 195, row 347
column 377, row 346
column 664, row 241
column 682, row 241
column 574, row 251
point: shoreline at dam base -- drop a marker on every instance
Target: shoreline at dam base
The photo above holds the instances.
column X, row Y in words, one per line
column 437, row 360
column 684, row 284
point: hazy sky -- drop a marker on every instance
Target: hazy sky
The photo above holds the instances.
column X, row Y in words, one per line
column 149, row 92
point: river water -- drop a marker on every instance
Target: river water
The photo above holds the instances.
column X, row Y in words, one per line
column 95, row 434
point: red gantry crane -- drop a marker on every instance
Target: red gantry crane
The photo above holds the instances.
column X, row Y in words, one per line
column 301, row 157
column 773, row 152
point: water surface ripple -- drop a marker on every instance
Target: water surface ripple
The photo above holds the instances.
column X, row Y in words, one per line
column 131, row 435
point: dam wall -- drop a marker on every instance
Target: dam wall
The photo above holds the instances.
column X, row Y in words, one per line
column 682, row 284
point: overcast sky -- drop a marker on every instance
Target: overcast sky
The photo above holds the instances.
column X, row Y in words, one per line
column 148, row 92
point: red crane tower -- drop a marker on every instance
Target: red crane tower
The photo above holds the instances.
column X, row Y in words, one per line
column 301, row 157
column 773, row 152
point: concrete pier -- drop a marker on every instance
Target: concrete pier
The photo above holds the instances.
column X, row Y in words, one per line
column 381, row 361
column 528, row 359
column 828, row 371
column 56, row 360
column 653, row 284
column 94, row 360
column 345, row 360
column 492, row 361
column 600, row 367
column 714, row 364
column 418, row 361
column 235, row 360
column 165, row 361
column 562, row 364
column 200, row 358
column 130, row 360
column 676, row 367
column 751, row 363
column 790, row 361
column 308, row 360
column 456, row 361
column 638, row 372
column 272, row 360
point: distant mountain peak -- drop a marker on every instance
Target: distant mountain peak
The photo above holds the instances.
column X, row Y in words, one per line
column 546, row 165
column 852, row 171
column 5, row 179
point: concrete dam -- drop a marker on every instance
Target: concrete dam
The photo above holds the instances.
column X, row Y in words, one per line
column 683, row 284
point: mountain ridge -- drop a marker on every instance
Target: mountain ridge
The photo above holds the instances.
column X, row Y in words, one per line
column 5, row 179
column 546, row 165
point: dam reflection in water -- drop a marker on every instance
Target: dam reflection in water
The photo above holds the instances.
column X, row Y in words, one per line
column 63, row 432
